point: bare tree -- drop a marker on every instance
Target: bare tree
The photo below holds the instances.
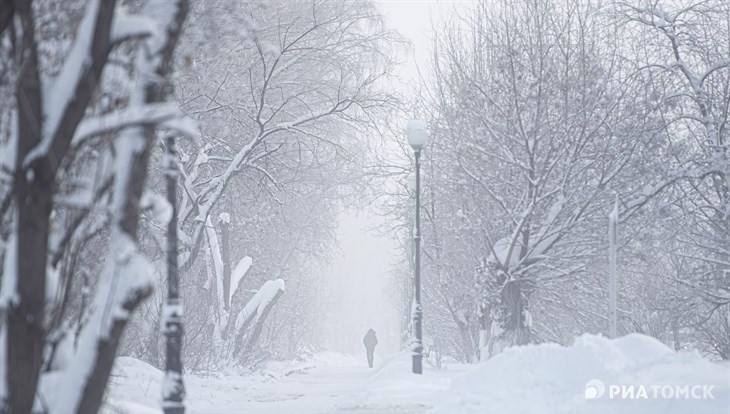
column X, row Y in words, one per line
column 535, row 128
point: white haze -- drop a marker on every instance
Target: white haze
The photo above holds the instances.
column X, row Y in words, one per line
column 361, row 280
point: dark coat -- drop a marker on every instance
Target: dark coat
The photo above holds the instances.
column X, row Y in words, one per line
column 370, row 340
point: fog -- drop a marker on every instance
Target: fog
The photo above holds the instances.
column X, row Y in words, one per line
column 361, row 288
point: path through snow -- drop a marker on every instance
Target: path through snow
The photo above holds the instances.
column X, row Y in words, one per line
column 336, row 385
column 316, row 391
column 545, row 379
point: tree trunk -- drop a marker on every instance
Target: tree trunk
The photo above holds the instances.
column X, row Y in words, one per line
column 508, row 325
column 157, row 89
column 33, row 189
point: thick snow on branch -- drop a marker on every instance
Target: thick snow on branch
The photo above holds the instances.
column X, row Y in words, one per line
column 115, row 121
column 125, row 278
column 536, row 248
column 125, row 26
column 215, row 251
column 239, row 272
column 9, row 291
column 184, row 126
column 255, row 307
column 8, row 149
column 158, row 205
column 60, row 93
column 162, row 12
column 126, row 272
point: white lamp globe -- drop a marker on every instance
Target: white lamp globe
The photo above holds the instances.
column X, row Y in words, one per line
column 417, row 134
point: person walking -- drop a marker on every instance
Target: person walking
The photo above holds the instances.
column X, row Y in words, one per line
column 370, row 341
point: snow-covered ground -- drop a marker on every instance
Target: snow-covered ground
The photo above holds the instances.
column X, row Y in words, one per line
column 328, row 383
column 632, row 374
column 545, row 379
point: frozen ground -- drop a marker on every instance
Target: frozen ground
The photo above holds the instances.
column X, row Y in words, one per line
column 545, row 379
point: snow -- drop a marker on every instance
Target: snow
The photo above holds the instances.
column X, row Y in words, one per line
column 52, row 284
column 158, row 205
column 279, row 388
column 501, row 250
column 125, row 275
column 125, row 26
column 184, row 126
column 9, row 291
column 545, row 379
column 552, row 379
column 238, row 273
column 215, row 252
column 61, row 92
column 394, row 388
column 536, row 248
column 162, row 12
column 9, row 148
column 170, row 384
column 271, row 50
column 126, row 270
column 130, row 116
column 258, row 302
column 172, row 310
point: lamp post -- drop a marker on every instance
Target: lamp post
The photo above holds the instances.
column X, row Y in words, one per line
column 407, row 331
column 417, row 138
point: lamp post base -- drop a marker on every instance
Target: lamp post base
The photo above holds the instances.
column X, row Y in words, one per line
column 418, row 364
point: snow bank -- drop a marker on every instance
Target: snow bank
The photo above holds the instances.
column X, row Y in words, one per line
column 135, row 388
column 552, row 379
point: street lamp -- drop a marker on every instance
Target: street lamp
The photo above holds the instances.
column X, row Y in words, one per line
column 417, row 138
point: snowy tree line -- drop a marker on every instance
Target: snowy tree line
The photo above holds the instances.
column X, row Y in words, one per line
column 282, row 110
column 545, row 113
column 270, row 126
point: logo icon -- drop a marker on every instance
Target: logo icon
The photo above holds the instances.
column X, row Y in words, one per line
column 594, row 389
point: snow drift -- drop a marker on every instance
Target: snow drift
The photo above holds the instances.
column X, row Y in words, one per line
column 632, row 374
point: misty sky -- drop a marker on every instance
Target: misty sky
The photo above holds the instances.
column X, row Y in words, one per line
column 361, row 276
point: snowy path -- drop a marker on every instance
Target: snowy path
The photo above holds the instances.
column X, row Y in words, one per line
column 352, row 390
column 349, row 388
column 316, row 391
